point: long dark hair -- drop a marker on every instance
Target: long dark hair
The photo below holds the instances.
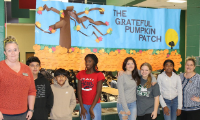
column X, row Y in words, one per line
column 135, row 74
column 166, row 61
column 94, row 57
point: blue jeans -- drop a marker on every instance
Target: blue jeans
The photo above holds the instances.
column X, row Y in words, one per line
column 96, row 109
column 133, row 109
column 172, row 105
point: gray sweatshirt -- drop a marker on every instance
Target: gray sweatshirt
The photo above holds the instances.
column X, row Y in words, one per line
column 64, row 102
column 127, row 89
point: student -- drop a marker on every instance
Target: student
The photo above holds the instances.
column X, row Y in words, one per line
column 127, row 82
column 147, row 95
column 89, row 89
column 107, row 81
column 64, row 97
column 44, row 95
column 171, row 91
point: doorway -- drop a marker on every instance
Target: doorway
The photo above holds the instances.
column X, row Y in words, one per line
column 29, row 54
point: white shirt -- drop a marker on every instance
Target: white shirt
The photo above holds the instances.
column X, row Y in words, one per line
column 170, row 87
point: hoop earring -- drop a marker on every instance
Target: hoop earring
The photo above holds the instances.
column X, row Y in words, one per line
column 96, row 68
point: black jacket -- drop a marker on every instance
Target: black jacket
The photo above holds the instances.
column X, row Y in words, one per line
column 44, row 99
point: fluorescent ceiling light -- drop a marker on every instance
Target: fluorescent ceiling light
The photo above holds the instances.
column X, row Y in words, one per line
column 177, row 1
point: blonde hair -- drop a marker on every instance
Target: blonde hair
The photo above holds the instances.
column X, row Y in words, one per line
column 149, row 79
column 192, row 58
column 8, row 40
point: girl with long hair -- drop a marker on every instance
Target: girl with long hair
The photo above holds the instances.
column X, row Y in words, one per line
column 127, row 83
column 147, row 95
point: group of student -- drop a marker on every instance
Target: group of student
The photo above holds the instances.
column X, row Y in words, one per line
column 139, row 91
column 18, row 84
column 58, row 99
column 140, row 95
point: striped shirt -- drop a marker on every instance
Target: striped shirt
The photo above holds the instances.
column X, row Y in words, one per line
column 191, row 87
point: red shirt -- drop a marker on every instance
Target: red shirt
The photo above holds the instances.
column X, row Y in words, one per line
column 15, row 88
column 89, row 85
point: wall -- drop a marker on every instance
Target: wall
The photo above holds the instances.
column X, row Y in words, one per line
column 25, row 35
column 182, row 39
column 2, row 29
column 31, row 18
column 193, row 29
column 123, row 2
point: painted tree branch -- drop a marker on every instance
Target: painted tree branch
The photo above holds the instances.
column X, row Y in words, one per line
column 59, row 24
column 45, row 7
column 88, row 35
column 91, row 10
column 42, row 29
column 55, row 26
column 64, row 24
column 75, row 16
column 87, row 27
column 84, row 18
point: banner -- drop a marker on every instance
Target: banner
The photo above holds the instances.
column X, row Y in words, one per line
column 111, row 32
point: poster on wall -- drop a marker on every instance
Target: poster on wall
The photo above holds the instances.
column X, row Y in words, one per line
column 66, row 32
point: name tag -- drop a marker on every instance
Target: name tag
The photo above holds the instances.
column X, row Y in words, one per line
column 143, row 89
column 24, row 74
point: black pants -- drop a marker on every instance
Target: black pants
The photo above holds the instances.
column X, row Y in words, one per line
column 15, row 117
column 190, row 115
column 145, row 117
